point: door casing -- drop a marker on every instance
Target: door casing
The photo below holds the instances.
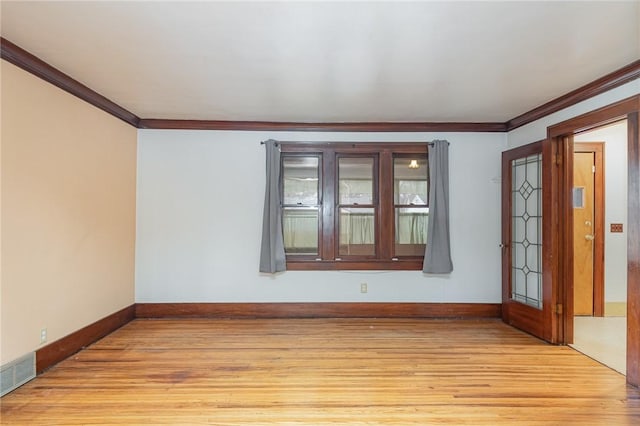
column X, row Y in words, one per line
column 561, row 134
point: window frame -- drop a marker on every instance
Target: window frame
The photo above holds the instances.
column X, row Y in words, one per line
column 410, row 206
column 375, row 205
column 328, row 233
column 318, row 206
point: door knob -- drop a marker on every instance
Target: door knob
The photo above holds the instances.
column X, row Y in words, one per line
column 589, row 237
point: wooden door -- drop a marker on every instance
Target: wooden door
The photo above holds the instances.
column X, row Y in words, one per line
column 588, row 228
column 527, row 239
column 583, row 232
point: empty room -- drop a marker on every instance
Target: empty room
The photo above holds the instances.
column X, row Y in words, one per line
column 313, row 213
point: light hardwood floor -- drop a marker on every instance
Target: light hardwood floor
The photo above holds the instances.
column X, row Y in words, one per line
column 319, row 372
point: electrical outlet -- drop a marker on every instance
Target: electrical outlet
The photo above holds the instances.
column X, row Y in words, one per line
column 363, row 287
column 43, row 335
column 616, row 227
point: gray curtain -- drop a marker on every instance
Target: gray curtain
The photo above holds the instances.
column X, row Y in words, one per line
column 437, row 258
column 272, row 257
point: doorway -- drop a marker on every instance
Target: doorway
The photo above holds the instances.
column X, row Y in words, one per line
column 599, row 265
column 563, row 134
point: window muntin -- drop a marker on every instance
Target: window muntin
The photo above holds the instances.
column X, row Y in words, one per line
column 362, row 220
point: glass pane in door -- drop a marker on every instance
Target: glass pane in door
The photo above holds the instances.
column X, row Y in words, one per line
column 526, row 222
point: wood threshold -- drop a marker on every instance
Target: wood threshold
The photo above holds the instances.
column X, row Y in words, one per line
column 61, row 349
column 36, row 66
column 318, row 310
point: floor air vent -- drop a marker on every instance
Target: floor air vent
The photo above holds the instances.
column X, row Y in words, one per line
column 17, row 373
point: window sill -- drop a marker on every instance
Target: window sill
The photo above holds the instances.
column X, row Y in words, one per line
column 355, row 265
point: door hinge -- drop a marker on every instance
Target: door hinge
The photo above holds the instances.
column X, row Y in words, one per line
column 558, row 308
column 593, row 169
column 558, row 159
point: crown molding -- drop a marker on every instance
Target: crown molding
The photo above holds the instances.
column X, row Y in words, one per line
column 147, row 123
column 610, row 81
column 36, row 66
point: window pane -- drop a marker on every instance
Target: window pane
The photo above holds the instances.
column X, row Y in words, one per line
column 410, row 175
column 526, row 225
column 355, row 180
column 357, row 232
column 300, row 180
column 411, row 231
column 300, row 230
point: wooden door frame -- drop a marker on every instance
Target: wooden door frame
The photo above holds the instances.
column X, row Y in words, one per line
column 597, row 148
column 562, row 133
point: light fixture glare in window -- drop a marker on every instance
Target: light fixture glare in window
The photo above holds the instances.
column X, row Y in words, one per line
column 414, row 164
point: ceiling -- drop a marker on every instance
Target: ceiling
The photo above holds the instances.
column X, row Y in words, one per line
column 329, row 61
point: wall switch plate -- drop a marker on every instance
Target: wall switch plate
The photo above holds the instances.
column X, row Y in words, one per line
column 43, row 335
column 616, row 227
column 363, row 287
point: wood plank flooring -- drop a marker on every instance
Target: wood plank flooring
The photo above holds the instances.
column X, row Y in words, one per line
column 324, row 372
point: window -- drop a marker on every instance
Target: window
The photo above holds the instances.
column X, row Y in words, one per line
column 354, row 206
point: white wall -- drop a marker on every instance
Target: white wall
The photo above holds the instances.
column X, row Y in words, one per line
column 199, row 213
column 615, row 255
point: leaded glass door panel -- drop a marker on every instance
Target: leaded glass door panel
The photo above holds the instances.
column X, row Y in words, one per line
column 527, row 188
